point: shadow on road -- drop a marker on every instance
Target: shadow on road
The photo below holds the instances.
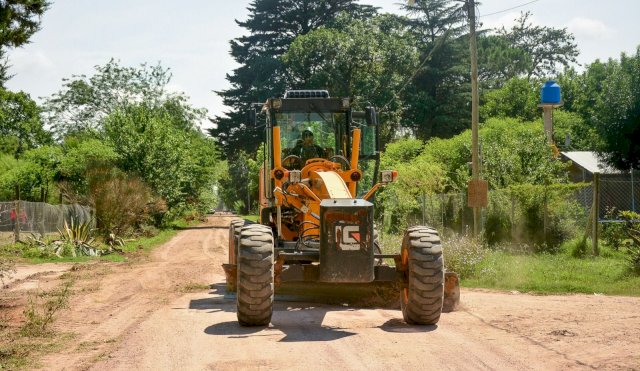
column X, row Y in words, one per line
column 297, row 321
column 399, row 326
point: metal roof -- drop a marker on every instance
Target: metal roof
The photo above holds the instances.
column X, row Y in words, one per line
column 589, row 161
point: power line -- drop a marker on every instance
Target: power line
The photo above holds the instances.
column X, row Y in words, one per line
column 506, row 10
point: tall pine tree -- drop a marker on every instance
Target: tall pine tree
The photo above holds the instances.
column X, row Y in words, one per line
column 272, row 26
column 439, row 94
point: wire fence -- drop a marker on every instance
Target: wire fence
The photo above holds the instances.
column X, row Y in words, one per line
column 39, row 218
column 534, row 215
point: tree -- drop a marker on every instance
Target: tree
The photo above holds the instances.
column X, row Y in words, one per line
column 48, row 159
column 439, row 94
column 84, row 102
column 547, row 47
column 20, row 126
column 366, row 59
column 499, row 61
column 19, row 20
column 177, row 164
column 617, row 113
column 272, row 26
column 517, row 98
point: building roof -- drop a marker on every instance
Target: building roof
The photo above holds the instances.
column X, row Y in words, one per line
column 590, row 162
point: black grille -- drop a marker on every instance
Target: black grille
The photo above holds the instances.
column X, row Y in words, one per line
column 306, row 94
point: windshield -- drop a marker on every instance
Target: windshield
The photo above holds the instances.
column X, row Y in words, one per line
column 310, row 135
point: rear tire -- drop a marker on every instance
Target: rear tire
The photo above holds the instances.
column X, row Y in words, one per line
column 422, row 294
column 255, row 286
column 234, row 234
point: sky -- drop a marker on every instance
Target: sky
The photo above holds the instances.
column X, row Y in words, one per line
column 191, row 37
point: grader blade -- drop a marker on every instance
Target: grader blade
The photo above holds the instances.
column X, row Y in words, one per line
column 375, row 294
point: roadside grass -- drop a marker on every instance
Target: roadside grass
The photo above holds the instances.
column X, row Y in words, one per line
column 34, row 336
column 558, row 273
column 139, row 245
column 253, row 218
column 515, row 268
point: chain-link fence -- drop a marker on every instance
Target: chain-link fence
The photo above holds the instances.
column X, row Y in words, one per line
column 529, row 214
column 617, row 194
column 38, row 218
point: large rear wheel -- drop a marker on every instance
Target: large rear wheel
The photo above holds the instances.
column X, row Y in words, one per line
column 422, row 293
column 255, row 286
column 234, row 234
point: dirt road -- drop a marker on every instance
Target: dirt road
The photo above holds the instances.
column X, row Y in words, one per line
column 160, row 315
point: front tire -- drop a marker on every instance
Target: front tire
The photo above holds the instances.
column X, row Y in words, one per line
column 422, row 293
column 255, row 285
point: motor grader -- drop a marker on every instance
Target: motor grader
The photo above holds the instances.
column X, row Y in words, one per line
column 316, row 237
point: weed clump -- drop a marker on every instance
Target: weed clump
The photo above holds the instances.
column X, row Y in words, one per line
column 464, row 255
column 42, row 309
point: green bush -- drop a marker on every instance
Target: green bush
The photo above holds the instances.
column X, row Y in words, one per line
column 632, row 228
column 497, row 226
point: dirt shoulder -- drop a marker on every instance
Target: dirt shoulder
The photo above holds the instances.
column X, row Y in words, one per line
column 170, row 312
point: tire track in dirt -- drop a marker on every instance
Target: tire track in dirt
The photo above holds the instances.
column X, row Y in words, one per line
column 128, row 293
column 156, row 326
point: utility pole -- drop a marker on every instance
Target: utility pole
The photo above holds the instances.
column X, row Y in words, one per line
column 475, row 166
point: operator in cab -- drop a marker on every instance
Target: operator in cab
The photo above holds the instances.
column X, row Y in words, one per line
column 306, row 148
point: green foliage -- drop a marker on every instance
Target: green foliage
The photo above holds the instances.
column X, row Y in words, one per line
column 546, row 47
column 632, row 229
column 239, row 182
column 547, row 206
column 81, row 156
column 583, row 137
column 177, row 164
column 84, row 102
column 513, row 152
column 269, row 30
column 498, row 224
column 20, row 125
column 401, row 199
column 438, row 93
column 617, row 113
column 499, row 60
column 518, row 98
column 78, row 235
column 400, row 152
column 577, row 246
column 367, row 59
column 19, row 175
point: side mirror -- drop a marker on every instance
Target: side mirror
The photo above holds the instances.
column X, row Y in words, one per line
column 370, row 116
column 252, row 117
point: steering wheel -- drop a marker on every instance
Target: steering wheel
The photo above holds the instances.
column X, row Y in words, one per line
column 292, row 161
column 341, row 159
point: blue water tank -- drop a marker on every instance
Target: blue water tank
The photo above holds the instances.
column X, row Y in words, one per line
column 550, row 93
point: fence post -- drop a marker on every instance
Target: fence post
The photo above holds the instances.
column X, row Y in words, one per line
column 513, row 217
column 544, row 215
column 16, row 229
column 596, row 213
column 424, row 208
column 633, row 193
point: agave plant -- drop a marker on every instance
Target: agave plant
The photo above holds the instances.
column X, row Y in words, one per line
column 79, row 236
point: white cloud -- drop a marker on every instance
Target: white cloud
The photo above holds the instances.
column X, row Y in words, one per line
column 23, row 61
column 590, row 29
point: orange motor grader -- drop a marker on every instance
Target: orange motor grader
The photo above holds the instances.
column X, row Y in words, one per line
column 316, row 236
